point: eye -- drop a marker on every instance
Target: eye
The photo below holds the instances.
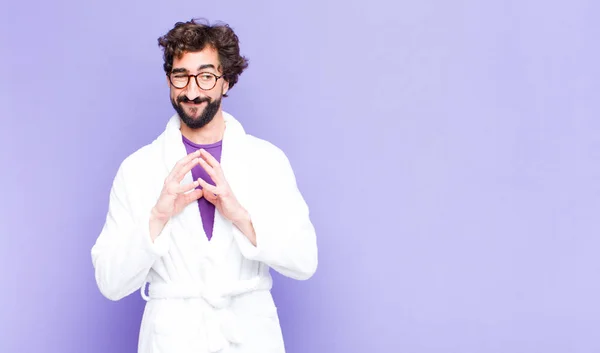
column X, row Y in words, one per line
column 206, row 77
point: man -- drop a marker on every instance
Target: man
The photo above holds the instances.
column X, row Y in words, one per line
column 203, row 212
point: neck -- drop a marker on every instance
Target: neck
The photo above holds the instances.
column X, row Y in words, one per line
column 209, row 133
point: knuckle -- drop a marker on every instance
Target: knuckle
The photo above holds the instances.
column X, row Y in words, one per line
column 171, row 188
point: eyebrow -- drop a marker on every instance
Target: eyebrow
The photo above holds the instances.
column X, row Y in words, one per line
column 202, row 67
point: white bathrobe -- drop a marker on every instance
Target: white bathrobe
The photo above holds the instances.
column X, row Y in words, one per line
column 206, row 296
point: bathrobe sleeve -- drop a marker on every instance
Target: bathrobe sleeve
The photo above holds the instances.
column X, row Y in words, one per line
column 124, row 252
column 285, row 236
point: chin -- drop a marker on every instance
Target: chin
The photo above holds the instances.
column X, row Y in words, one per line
column 194, row 112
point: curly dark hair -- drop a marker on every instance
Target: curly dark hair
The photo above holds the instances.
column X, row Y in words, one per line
column 195, row 35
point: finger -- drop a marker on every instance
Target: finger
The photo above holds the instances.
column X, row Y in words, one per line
column 210, row 159
column 209, row 170
column 192, row 196
column 179, row 171
column 183, row 162
column 190, row 156
column 187, row 187
column 182, row 171
column 210, row 197
column 207, row 186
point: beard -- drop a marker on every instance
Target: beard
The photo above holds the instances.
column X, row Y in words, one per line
column 209, row 112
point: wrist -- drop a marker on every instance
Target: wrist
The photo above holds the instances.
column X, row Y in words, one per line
column 156, row 216
column 243, row 222
column 241, row 217
column 157, row 223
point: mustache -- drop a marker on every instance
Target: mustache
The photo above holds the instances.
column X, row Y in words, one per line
column 197, row 100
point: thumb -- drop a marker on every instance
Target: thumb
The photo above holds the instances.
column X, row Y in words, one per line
column 209, row 196
column 192, row 196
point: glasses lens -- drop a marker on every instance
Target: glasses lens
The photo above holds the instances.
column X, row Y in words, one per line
column 206, row 81
column 179, row 80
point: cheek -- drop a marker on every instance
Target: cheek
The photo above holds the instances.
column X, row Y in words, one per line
column 174, row 94
column 216, row 93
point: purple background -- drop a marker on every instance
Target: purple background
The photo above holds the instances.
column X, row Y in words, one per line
column 448, row 150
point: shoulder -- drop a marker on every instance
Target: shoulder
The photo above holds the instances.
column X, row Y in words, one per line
column 270, row 163
column 267, row 151
column 254, row 145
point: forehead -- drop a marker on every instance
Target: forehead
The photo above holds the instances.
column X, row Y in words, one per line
column 191, row 61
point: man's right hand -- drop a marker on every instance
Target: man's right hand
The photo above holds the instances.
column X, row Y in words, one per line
column 174, row 197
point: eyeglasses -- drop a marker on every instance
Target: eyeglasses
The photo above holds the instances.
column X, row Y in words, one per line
column 204, row 80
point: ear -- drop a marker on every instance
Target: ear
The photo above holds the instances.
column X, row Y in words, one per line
column 168, row 82
column 225, row 87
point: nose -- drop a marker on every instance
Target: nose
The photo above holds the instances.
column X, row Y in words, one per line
column 192, row 91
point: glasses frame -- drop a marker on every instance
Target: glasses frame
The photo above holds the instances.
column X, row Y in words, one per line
column 195, row 79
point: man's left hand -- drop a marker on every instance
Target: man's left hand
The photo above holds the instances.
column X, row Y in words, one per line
column 220, row 194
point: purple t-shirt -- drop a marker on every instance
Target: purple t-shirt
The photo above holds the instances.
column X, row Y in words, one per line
column 207, row 209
